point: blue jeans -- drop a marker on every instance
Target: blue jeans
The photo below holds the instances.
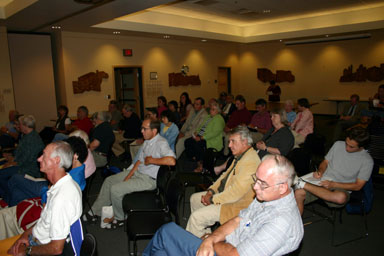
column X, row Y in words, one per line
column 21, row 188
column 5, row 175
column 171, row 239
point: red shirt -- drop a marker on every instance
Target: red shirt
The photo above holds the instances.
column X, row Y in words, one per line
column 85, row 124
column 238, row 117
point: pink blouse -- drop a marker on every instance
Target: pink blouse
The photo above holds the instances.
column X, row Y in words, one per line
column 303, row 123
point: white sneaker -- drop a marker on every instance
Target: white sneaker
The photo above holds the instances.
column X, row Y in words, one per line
column 298, row 183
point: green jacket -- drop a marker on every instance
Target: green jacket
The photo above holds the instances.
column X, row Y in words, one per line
column 214, row 132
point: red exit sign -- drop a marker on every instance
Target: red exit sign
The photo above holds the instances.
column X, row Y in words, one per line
column 127, row 52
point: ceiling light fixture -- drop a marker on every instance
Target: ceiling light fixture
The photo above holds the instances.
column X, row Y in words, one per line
column 328, row 39
column 326, row 35
column 203, row 40
column 116, row 32
column 281, row 40
column 56, row 27
column 167, row 37
column 266, row 11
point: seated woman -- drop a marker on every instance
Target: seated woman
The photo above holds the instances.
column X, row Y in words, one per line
column 173, row 106
column 168, row 129
column 62, row 125
column 208, row 135
column 303, row 124
column 378, row 99
column 185, row 107
column 279, row 139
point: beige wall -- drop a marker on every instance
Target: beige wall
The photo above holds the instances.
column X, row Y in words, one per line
column 7, row 101
column 32, row 74
column 85, row 53
column 317, row 68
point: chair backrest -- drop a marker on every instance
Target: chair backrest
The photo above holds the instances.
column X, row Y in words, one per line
column 173, row 197
column 162, row 179
column 88, row 248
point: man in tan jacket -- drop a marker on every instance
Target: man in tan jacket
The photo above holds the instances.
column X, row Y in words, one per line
column 232, row 192
column 194, row 120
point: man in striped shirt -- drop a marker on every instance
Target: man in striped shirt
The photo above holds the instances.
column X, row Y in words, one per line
column 271, row 225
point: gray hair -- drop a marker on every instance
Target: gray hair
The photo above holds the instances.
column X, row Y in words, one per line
column 64, row 151
column 217, row 106
column 82, row 134
column 283, row 168
column 243, row 132
column 104, row 116
column 283, row 115
column 289, row 102
column 28, row 121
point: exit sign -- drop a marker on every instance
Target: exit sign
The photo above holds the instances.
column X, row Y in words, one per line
column 127, row 52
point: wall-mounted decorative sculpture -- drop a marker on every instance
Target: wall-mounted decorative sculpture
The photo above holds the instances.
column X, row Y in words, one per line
column 362, row 74
column 89, row 82
column 265, row 75
column 178, row 79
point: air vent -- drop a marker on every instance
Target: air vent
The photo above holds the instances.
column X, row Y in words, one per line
column 206, row 2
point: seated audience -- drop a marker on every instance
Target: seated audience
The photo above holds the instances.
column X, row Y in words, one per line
column 279, row 139
column 62, row 125
column 129, row 129
column 102, row 138
column 273, row 91
column 22, row 187
column 185, row 107
column 26, row 153
column 142, row 176
column 161, row 105
column 271, row 225
column 347, row 167
column 63, row 208
column 261, row 121
column 173, row 107
column 208, row 135
column 378, row 98
column 194, row 120
column 241, row 116
column 229, row 107
column 113, row 109
column 350, row 116
column 291, row 115
column 303, row 124
column 168, row 129
column 231, row 192
column 9, row 134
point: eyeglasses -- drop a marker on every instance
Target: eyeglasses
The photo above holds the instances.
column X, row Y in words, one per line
column 145, row 128
column 263, row 185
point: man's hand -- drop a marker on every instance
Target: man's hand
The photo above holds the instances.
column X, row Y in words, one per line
column 327, row 184
column 206, row 248
column 127, row 178
column 181, row 135
column 18, row 248
column 317, row 175
column 148, row 160
column 261, row 145
column 206, row 199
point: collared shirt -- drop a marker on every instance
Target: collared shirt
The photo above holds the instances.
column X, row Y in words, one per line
column 291, row 116
column 63, row 208
column 303, row 123
column 262, row 120
column 157, row 147
column 239, row 117
column 268, row 228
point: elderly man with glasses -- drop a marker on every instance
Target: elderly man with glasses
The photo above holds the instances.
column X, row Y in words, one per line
column 271, row 225
column 142, row 176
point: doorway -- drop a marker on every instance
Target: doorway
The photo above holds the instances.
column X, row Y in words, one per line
column 224, row 80
column 129, row 88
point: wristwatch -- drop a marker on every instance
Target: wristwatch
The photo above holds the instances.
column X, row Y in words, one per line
column 28, row 250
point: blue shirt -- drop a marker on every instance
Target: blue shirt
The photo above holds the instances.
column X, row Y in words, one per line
column 291, row 116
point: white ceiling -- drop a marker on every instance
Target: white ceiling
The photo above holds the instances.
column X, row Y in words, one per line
column 244, row 21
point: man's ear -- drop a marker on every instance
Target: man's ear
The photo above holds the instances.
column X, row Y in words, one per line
column 283, row 188
column 56, row 159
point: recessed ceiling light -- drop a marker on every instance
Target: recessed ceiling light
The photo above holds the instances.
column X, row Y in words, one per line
column 203, row 40
column 167, row 36
column 326, row 35
column 56, row 27
column 116, row 32
column 266, row 11
column 281, row 40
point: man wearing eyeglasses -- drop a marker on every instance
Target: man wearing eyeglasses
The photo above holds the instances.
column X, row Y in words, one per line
column 231, row 192
column 271, row 225
column 142, row 176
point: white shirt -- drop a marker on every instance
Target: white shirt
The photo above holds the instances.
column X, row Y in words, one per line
column 157, row 147
column 63, row 208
